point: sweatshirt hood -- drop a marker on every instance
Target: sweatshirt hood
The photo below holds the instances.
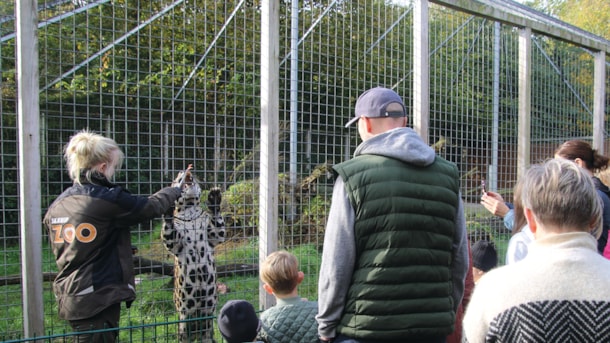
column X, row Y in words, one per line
column 402, row 144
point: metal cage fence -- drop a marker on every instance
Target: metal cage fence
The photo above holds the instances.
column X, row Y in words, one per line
column 178, row 82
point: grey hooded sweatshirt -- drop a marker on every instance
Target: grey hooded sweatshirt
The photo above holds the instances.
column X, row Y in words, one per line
column 339, row 253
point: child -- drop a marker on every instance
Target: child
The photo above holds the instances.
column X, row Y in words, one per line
column 484, row 258
column 292, row 319
column 237, row 322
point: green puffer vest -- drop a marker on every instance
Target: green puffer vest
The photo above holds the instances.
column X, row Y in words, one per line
column 404, row 226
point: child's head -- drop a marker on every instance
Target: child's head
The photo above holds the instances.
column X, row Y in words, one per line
column 237, row 322
column 280, row 272
column 484, row 258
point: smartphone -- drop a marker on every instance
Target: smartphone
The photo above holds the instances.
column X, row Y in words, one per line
column 483, row 187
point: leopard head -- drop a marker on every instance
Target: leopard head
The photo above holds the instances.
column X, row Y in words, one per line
column 191, row 190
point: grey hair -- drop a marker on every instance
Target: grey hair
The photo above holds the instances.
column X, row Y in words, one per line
column 86, row 150
column 562, row 194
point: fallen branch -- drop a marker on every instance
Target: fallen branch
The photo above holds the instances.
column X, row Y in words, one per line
column 143, row 265
column 236, row 269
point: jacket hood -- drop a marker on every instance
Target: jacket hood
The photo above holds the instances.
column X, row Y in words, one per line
column 402, row 144
column 95, row 177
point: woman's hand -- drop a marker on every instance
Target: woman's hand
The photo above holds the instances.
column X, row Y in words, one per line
column 494, row 203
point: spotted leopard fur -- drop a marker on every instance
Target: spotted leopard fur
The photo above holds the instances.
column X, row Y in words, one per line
column 190, row 235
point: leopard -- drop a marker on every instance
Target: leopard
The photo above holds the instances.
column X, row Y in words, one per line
column 190, row 234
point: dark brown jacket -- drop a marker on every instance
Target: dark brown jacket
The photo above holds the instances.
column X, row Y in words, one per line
column 88, row 229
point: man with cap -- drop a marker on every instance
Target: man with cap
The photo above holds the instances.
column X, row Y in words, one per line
column 237, row 322
column 395, row 252
column 484, row 258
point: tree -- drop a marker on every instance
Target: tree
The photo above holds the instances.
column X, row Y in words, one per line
column 589, row 15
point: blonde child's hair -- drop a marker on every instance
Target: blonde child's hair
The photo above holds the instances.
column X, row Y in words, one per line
column 280, row 271
column 87, row 150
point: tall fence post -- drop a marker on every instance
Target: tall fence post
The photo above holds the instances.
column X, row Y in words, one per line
column 29, row 166
column 270, row 90
column 492, row 170
column 525, row 99
column 599, row 97
column 294, row 105
column 421, row 69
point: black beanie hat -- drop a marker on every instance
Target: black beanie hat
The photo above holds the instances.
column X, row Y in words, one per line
column 237, row 322
column 484, row 255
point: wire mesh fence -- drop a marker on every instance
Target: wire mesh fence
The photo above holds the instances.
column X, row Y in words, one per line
column 177, row 82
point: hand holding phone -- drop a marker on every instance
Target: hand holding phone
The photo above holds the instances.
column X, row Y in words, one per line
column 483, row 187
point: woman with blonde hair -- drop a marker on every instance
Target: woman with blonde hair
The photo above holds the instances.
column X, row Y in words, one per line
column 89, row 232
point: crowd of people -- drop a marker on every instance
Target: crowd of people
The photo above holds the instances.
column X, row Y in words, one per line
column 397, row 264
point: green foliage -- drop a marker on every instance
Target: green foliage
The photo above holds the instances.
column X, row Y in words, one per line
column 240, row 204
column 478, row 230
column 311, row 223
column 589, row 15
column 314, row 212
column 240, row 207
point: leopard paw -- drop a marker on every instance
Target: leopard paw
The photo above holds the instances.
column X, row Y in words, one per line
column 214, row 197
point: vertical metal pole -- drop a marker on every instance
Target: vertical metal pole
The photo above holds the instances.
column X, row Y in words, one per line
column 268, row 205
column 492, row 176
column 217, row 156
column 308, row 143
column 421, row 69
column 294, row 103
column 599, row 95
column 29, row 166
column 525, row 95
column 165, row 148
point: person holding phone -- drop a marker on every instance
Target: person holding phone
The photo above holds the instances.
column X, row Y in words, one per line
column 495, row 204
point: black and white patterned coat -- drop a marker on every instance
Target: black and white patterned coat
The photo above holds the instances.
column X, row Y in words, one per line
column 190, row 235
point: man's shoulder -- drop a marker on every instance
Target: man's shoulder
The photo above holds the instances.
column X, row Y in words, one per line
column 444, row 163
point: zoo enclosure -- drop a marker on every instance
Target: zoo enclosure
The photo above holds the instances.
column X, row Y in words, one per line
column 492, row 85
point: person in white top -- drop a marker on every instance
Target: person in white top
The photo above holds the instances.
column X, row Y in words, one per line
column 522, row 235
